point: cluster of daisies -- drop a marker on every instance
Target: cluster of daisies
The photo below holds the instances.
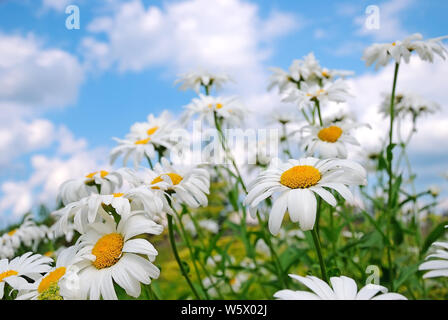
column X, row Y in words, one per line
column 110, row 217
column 113, row 215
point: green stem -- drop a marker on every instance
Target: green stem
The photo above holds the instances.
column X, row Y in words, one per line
column 149, row 162
column 226, row 150
column 318, row 112
column 390, row 174
column 319, row 254
column 267, row 238
column 176, row 256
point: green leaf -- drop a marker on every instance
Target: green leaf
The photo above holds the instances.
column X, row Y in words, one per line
column 433, row 236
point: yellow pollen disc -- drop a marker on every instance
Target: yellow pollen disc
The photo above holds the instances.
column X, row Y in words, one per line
column 318, row 92
column 217, row 106
column 325, row 74
column 107, row 250
column 232, row 281
column 143, row 141
column 150, row 131
column 118, row 194
column 103, row 173
column 51, row 278
column 300, row 177
column 7, row 274
column 175, row 178
column 394, row 44
column 48, row 253
column 330, row 134
column 11, row 233
column 90, row 175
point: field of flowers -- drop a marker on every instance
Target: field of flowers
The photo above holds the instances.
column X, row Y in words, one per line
column 306, row 222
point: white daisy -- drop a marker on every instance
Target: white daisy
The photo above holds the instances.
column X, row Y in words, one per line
column 409, row 103
column 307, row 95
column 437, row 262
column 195, row 79
column 145, row 138
column 328, row 141
column 342, row 288
column 228, row 109
column 117, row 253
column 28, row 234
column 298, row 181
column 180, row 184
column 103, row 182
column 29, row 265
column 398, row 50
column 96, row 208
column 47, row 287
column 307, row 70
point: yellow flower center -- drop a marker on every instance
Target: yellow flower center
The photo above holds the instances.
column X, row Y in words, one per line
column 300, row 177
column 232, row 281
column 325, row 74
column 107, row 250
column 318, row 92
column 118, row 194
column 175, row 178
column 103, row 173
column 48, row 253
column 394, row 44
column 330, row 134
column 7, row 274
column 52, row 278
column 151, row 131
column 217, row 106
column 11, row 233
column 143, row 141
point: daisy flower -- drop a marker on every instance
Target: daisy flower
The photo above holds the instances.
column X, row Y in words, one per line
column 342, row 288
column 329, row 141
column 47, row 287
column 398, row 50
column 29, row 265
column 306, row 70
column 298, row 181
column 117, row 253
column 96, row 208
column 145, row 139
column 309, row 94
column 228, row 109
column 102, row 182
column 195, row 79
column 180, row 184
column 28, row 234
column 409, row 103
column 437, row 262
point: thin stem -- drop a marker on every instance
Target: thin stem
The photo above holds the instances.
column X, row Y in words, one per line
column 390, row 174
column 319, row 254
column 268, row 241
column 176, row 256
column 318, row 112
column 226, row 150
column 149, row 162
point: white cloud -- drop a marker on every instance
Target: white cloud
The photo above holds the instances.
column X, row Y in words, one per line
column 34, row 78
column 223, row 34
column 48, row 172
column 391, row 27
column 418, row 76
column 58, row 5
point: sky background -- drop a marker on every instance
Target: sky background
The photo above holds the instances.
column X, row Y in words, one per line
column 65, row 93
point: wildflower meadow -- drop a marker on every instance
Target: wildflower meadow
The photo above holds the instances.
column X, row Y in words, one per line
column 200, row 204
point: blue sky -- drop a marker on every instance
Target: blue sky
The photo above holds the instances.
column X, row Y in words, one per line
column 89, row 95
